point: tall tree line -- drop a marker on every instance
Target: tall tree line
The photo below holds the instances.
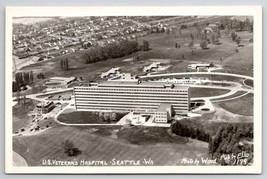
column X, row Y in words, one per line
column 22, row 79
column 112, row 50
column 185, row 130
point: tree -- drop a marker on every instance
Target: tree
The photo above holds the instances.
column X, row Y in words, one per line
column 106, row 117
column 191, row 36
column 238, row 40
column 113, row 116
column 69, row 148
column 233, row 35
column 213, row 38
column 145, row 45
column 18, row 96
column 31, row 76
column 168, row 32
column 101, row 115
column 217, row 40
column 203, row 44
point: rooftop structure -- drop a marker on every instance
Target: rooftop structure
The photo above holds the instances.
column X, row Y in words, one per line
column 62, row 79
column 45, row 107
column 110, row 72
column 151, row 66
column 125, row 77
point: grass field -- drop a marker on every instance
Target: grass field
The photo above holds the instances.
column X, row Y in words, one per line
column 206, row 92
column 149, row 135
column 249, row 82
column 48, row 145
column 20, row 117
column 242, row 106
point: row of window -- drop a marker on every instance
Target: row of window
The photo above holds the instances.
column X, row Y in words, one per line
column 102, row 108
column 161, row 116
column 130, row 89
column 126, row 104
column 135, row 95
column 131, row 101
column 160, row 120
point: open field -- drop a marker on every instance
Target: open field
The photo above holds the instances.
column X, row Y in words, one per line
column 94, row 147
column 149, row 135
column 206, row 92
column 242, row 106
column 20, row 117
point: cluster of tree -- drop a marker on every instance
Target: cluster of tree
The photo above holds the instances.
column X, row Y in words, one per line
column 41, row 76
column 145, row 46
column 235, row 24
column 64, row 64
column 235, row 38
column 185, row 130
column 110, row 116
column 112, row 50
column 215, row 38
column 229, row 139
column 21, row 80
column 70, row 149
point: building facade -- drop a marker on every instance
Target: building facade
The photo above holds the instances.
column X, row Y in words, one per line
column 164, row 113
column 135, row 96
column 45, row 107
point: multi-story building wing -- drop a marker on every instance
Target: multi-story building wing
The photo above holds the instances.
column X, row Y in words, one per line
column 136, row 96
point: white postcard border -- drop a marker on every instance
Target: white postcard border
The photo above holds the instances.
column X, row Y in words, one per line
column 255, row 11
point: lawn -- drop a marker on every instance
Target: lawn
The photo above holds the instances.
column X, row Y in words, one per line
column 48, row 145
column 20, row 114
column 206, row 92
column 249, row 82
column 242, row 105
column 149, row 135
column 85, row 117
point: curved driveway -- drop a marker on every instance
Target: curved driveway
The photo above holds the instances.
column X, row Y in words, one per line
column 18, row 160
column 200, row 73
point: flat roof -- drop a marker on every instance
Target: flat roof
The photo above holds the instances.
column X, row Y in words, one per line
column 141, row 84
column 62, row 78
column 134, row 84
column 162, row 107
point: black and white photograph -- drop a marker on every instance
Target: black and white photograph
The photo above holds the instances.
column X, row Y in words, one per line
column 133, row 89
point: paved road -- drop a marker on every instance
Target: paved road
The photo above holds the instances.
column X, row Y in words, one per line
column 199, row 73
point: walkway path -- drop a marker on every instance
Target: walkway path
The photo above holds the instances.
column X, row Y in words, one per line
column 18, row 160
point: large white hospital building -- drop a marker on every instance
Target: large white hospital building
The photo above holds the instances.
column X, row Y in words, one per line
column 133, row 96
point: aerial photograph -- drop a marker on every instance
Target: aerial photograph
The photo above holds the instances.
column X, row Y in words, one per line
column 132, row 91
